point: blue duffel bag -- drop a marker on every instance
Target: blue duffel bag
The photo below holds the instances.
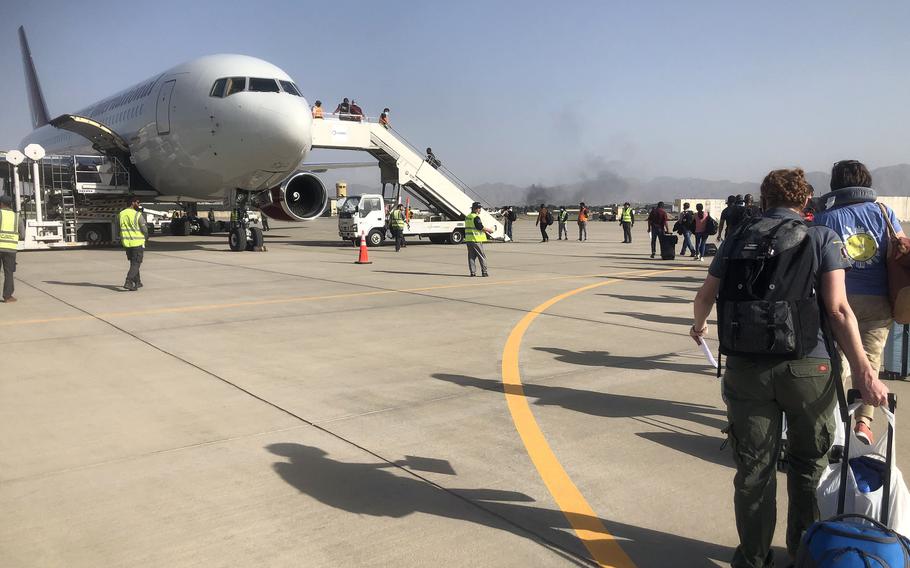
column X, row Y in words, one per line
column 848, row 541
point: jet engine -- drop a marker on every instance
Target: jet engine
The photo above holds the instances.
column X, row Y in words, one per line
column 301, row 197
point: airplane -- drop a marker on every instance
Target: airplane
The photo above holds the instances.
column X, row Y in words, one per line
column 229, row 128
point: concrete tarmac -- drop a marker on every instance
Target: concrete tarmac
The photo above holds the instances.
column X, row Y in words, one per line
column 291, row 408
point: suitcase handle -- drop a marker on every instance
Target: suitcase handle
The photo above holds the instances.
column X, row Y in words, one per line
column 853, row 395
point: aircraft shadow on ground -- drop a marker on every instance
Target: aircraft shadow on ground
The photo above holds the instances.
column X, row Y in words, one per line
column 656, row 299
column 604, row 359
column 657, row 318
column 607, row 405
column 112, row 287
column 178, row 244
column 376, row 489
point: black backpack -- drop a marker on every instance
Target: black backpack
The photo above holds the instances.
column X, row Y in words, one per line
column 767, row 302
column 549, row 218
column 711, row 225
column 512, row 216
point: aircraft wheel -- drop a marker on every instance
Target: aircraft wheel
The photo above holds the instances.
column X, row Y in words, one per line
column 237, row 239
column 205, row 227
column 256, row 239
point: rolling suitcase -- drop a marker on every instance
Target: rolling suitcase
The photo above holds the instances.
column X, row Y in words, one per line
column 668, row 245
column 855, row 539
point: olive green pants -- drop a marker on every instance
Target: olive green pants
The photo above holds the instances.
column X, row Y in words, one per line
column 757, row 392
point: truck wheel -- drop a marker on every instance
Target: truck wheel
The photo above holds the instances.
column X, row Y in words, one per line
column 237, row 239
column 375, row 238
column 256, row 239
column 457, row 237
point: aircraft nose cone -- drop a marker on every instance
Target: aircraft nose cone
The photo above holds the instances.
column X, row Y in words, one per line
column 285, row 133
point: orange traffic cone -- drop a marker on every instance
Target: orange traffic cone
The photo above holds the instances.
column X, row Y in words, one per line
column 364, row 257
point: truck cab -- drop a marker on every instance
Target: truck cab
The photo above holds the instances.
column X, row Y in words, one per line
column 367, row 214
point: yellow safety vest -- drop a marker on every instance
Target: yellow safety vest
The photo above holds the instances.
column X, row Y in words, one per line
column 627, row 215
column 9, row 230
column 397, row 219
column 471, row 233
column 130, row 234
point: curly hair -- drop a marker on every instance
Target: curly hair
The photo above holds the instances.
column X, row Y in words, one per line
column 785, row 188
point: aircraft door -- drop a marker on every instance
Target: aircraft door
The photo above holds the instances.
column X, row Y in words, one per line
column 163, row 115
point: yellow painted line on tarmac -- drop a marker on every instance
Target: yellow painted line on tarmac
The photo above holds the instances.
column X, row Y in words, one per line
column 602, row 545
column 294, row 299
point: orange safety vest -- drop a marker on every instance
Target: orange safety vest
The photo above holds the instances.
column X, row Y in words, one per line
column 583, row 215
column 317, row 112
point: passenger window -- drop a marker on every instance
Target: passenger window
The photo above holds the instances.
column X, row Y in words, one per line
column 235, row 85
column 289, row 88
column 218, row 88
column 263, row 85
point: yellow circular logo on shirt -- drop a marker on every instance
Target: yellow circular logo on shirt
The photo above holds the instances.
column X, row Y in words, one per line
column 861, row 247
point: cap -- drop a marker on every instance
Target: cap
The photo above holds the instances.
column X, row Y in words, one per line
column 475, row 205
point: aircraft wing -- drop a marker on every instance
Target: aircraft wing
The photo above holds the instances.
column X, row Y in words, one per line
column 103, row 139
column 324, row 167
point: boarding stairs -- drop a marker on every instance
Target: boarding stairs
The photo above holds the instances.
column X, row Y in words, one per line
column 402, row 164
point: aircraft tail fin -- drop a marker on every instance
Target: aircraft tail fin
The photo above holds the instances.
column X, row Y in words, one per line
column 35, row 96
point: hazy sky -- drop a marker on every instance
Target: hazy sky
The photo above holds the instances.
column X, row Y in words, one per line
column 524, row 92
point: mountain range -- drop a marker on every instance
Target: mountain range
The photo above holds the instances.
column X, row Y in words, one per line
column 609, row 187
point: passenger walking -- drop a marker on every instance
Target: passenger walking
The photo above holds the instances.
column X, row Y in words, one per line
column 475, row 234
column 702, row 231
column 317, row 110
column 685, row 226
column 731, row 216
column 356, row 112
column 563, row 218
column 384, row 118
column 860, row 222
column 752, row 210
column 583, row 215
column 788, row 374
column 544, row 219
column 343, row 110
column 508, row 217
column 432, row 159
column 397, row 222
column 12, row 230
column 627, row 221
column 657, row 225
column 133, row 232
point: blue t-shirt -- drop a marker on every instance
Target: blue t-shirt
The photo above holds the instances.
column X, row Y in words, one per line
column 862, row 228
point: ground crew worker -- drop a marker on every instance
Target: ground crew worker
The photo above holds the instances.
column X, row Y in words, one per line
column 384, row 118
column 317, row 110
column 627, row 220
column 12, row 230
column 133, row 232
column 211, row 216
column 475, row 234
column 760, row 387
column 563, row 218
column 397, row 222
column 583, row 215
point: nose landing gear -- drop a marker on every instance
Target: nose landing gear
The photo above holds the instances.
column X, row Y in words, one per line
column 244, row 233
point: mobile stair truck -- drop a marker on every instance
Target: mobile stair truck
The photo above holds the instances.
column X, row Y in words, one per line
column 401, row 165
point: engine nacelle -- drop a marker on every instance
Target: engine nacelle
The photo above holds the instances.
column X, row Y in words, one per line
column 301, row 197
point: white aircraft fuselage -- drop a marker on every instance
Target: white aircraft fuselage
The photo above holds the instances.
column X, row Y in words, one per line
column 192, row 141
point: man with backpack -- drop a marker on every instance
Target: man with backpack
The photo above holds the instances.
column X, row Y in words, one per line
column 657, row 225
column 731, row 216
column 778, row 285
column 544, row 220
column 563, row 218
column 685, row 226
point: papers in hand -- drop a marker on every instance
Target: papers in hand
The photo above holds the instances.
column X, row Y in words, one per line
column 708, row 355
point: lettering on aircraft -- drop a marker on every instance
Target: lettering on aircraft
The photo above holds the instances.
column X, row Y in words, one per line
column 130, row 95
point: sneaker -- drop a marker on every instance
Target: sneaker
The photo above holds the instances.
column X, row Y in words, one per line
column 10, row 299
column 696, row 257
column 485, row 275
column 652, row 255
column 863, row 433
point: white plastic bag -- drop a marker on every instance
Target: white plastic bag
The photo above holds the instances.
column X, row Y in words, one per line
column 869, row 504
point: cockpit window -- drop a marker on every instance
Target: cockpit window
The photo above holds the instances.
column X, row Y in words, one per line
column 290, row 88
column 235, row 85
column 218, row 88
column 263, row 85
